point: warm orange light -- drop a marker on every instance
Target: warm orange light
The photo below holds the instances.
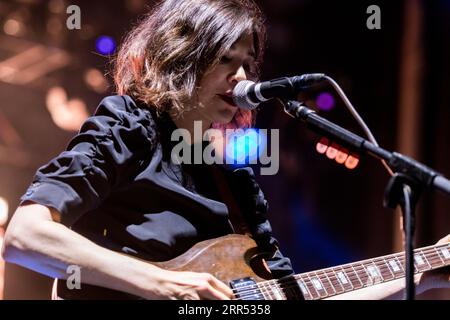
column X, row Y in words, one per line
column 96, row 81
column 352, row 161
column 332, row 151
column 322, row 145
column 342, row 156
column 14, row 27
column 67, row 114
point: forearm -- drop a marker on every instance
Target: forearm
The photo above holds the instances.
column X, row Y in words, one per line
column 52, row 247
column 2, row 265
column 391, row 290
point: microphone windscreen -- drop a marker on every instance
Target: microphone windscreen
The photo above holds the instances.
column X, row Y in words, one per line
column 241, row 95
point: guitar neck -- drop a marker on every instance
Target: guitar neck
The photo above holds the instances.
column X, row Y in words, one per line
column 337, row 280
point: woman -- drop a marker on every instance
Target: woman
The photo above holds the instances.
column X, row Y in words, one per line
column 115, row 190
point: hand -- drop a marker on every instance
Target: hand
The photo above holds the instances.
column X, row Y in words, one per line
column 194, row 286
column 436, row 279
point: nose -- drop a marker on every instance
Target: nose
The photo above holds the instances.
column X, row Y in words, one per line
column 237, row 76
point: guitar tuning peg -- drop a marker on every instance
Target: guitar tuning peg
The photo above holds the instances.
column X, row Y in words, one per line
column 322, row 145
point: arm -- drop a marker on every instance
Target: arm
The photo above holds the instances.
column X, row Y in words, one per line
column 435, row 279
column 35, row 239
column 392, row 290
column 2, row 265
column 102, row 156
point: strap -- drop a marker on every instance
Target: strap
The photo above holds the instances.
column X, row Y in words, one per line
column 234, row 212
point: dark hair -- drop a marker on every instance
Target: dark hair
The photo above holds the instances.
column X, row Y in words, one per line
column 164, row 57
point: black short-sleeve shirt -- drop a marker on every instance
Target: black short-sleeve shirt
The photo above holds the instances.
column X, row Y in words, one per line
column 116, row 185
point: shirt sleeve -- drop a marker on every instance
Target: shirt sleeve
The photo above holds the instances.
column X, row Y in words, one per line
column 100, row 157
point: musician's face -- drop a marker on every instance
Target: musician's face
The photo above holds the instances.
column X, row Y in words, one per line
column 216, row 87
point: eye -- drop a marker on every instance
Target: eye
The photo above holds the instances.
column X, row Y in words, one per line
column 226, row 59
column 250, row 69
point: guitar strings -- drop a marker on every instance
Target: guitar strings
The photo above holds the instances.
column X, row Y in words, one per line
column 264, row 286
column 351, row 268
column 379, row 259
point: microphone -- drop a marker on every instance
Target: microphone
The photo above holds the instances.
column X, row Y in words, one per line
column 248, row 94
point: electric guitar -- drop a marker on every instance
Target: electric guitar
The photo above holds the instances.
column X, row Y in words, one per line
column 236, row 260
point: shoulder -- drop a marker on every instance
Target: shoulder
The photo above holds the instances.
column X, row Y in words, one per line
column 123, row 107
column 121, row 111
column 120, row 103
column 121, row 119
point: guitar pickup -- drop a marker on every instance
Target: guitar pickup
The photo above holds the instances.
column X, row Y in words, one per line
column 246, row 289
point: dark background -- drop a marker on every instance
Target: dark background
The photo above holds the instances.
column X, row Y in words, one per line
column 322, row 213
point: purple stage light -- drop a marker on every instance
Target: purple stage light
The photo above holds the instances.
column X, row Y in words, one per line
column 105, row 45
column 325, row 101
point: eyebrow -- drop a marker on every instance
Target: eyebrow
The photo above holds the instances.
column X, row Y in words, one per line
column 250, row 53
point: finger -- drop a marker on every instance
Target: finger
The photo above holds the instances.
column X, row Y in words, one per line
column 212, row 293
column 444, row 240
column 216, row 283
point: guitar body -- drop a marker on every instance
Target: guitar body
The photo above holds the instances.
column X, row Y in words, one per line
column 236, row 260
column 228, row 258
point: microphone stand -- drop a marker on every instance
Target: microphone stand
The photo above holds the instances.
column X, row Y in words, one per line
column 403, row 188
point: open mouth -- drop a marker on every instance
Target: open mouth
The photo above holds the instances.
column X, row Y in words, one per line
column 229, row 100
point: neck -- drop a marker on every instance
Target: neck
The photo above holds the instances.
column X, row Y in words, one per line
column 187, row 120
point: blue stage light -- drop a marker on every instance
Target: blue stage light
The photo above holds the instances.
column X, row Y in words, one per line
column 105, row 45
column 244, row 147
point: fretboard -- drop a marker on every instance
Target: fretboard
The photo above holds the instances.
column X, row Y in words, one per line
column 333, row 281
